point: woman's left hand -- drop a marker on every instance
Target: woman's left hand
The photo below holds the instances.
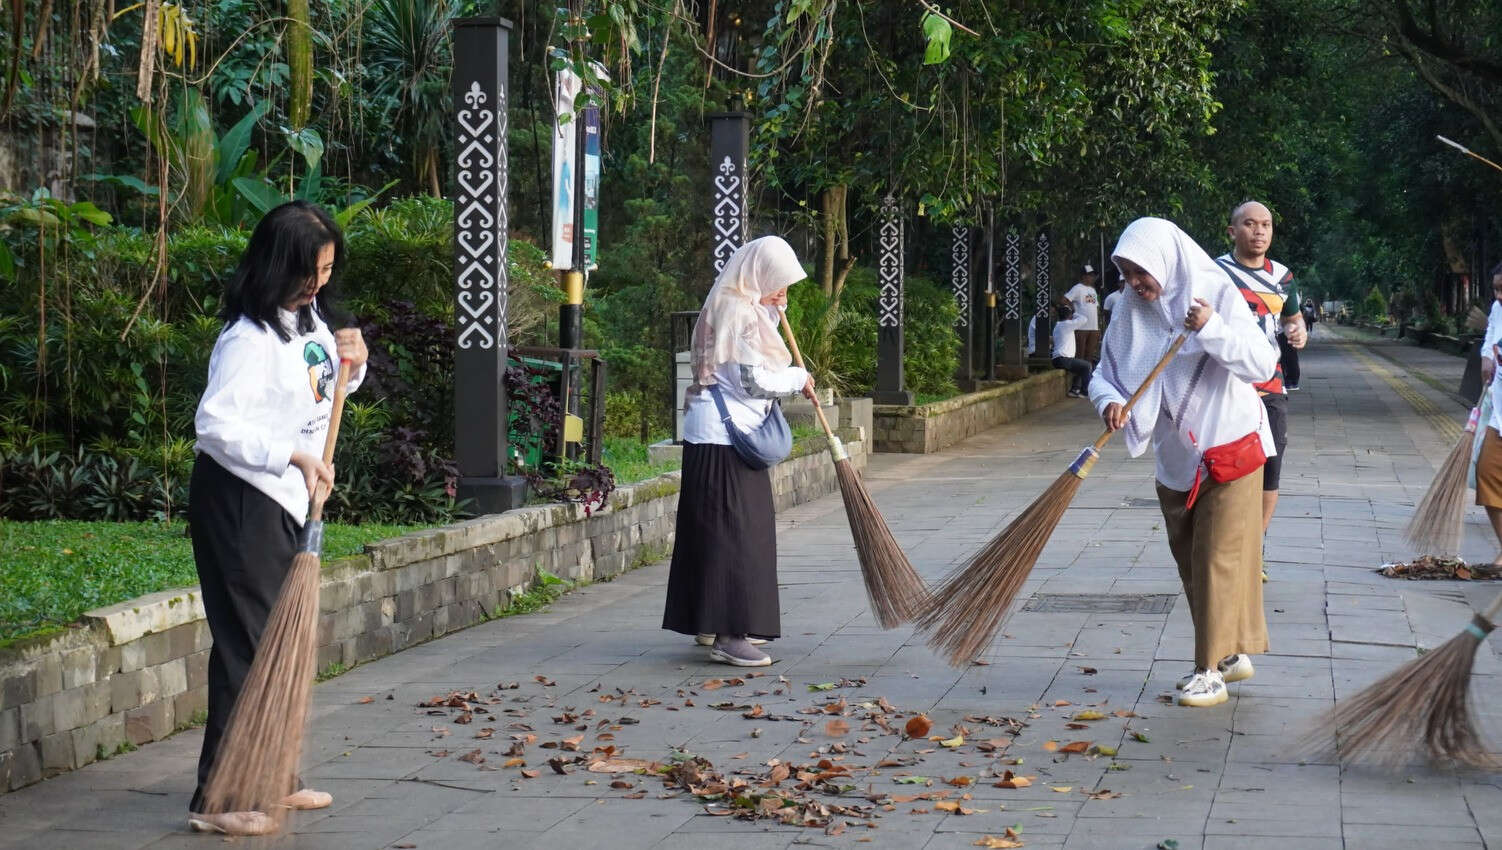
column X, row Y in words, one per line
column 351, row 347
column 1199, row 314
column 808, row 388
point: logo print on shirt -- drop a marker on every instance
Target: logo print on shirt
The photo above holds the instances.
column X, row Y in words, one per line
column 320, row 370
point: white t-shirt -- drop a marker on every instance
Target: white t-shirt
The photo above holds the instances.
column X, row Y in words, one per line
column 1110, row 302
column 748, row 406
column 1085, row 300
column 266, row 399
column 1063, row 335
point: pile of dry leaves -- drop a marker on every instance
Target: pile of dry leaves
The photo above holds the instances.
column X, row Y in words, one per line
column 1432, row 568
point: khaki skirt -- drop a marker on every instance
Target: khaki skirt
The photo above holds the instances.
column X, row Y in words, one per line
column 1489, row 471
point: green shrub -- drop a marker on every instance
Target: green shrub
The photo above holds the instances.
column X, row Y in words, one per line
column 1374, row 305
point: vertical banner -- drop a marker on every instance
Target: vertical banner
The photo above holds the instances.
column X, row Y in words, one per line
column 481, row 171
column 729, row 140
column 565, row 176
column 959, row 280
column 889, row 307
column 1014, row 328
column 591, row 124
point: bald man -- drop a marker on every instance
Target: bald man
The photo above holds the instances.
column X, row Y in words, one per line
column 1268, row 289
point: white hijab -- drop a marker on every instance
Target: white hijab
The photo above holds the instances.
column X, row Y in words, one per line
column 733, row 326
column 1141, row 331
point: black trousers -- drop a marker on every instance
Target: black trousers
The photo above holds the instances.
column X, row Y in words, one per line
column 1078, row 368
column 243, row 545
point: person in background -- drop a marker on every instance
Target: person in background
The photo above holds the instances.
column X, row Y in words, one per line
column 1064, row 341
column 1085, row 301
column 1113, row 298
column 1267, row 288
column 1489, row 462
column 722, row 584
column 1201, row 406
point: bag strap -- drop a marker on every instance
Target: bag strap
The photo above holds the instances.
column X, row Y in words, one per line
column 719, row 402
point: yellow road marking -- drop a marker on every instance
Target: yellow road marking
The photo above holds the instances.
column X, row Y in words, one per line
column 1449, row 430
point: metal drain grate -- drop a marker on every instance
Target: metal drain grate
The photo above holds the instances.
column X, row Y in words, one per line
column 1100, row 603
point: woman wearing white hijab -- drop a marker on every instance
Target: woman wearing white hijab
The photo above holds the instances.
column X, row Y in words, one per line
column 1203, row 402
column 722, row 586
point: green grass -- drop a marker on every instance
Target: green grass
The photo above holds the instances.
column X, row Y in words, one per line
column 930, row 398
column 54, row 571
column 627, row 459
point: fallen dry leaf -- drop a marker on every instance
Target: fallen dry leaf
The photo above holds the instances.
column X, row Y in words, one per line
column 1050, row 746
column 620, row 765
column 1075, row 747
column 1089, row 714
column 473, row 757
column 531, row 774
column 366, row 700
column 1010, row 780
column 1061, row 789
column 951, row 743
column 918, row 727
column 837, row 728
column 960, row 781
column 997, row 842
column 514, row 762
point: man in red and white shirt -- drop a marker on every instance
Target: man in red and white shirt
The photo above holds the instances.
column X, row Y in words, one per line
column 1268, row 289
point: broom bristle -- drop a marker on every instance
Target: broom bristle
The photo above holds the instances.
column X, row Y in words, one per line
column 965, row 613
column 1422, row 708
column 258, row 757
column 1440, row 515
column 896, row 592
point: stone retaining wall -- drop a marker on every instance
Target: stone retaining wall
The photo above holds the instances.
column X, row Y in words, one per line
column 928, row 428
column 136, row 672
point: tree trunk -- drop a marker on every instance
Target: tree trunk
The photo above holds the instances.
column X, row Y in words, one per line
column 299, row 63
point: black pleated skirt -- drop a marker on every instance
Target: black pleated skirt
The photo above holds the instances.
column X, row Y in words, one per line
column 724, row 574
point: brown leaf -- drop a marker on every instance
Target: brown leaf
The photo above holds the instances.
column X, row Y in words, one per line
column 1060, row 703
column 531, row 774
column 365, row 700
column 1089, row 671
column 1050, row 746
column 556, row 763
column 473, row 757
column 997, row 842
column 622, row 784
column 712, row 685
column 960, row 781
column 544, row 681
column 779, row 773
column 918, row 727
column 755, row 712
column 1075, row 747
column 1010, row 780
column 464, row 717
column 837, row 728
column 573, row 743
column 485, row 733
column 1124, row 712
column 514, row 762
column 620, row 765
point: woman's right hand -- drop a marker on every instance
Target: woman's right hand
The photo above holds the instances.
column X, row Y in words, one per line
column 314, row 472
column 1113, row 416
column 808, row 388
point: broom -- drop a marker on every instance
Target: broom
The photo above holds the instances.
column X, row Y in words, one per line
column 1437, row 522
column 262, row 744
column 893, row 586
column 1422, row 707
column 964, row 614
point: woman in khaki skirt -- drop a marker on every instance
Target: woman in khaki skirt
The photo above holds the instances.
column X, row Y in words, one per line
column 1201, row 405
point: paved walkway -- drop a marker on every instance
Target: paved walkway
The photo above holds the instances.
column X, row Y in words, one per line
column 595, row 672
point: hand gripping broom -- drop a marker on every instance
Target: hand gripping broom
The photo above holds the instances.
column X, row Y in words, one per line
column 1440, row 516
column 893, row 586
column 963, row 615
column 258, row 756
column 1421, row 707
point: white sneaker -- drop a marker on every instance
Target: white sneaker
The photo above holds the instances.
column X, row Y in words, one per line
column 738, row 651
column 1233, row 668
column 708, row 640
column 1205, row 688
column 1236, row 668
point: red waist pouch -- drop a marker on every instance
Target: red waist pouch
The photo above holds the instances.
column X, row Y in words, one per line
column 1229, row 461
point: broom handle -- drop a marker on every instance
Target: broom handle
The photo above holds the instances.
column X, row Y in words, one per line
column 1151, row 376
column 341, row 389
column 798, row 359
column 1468, row 152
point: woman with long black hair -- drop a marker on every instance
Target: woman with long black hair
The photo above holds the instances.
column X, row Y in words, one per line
column 261, row 425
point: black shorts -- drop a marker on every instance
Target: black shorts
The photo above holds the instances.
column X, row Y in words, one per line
column 1277, row 422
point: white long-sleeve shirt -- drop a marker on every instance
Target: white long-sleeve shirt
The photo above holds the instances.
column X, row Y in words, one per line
column 266, row 399
column 748, row 393
column 1239, row 354
column 1084, row 299
column 1493, row 337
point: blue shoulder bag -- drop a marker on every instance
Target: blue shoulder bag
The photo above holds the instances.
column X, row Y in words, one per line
column 767, row 444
